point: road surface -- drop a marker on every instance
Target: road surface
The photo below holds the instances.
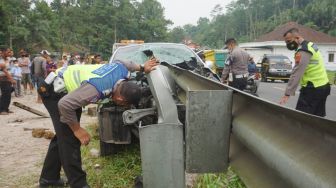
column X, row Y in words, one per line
column 274, row 91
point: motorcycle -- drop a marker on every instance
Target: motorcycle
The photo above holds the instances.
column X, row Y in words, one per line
column 252, row 83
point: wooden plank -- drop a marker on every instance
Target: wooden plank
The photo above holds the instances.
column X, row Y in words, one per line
column 29, row 109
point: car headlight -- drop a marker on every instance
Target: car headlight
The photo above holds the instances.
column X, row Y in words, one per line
column 272, row 70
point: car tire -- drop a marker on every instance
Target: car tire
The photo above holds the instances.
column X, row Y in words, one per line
column 272, row 80
column 255, row 89
column 286, row 81
column 107, row 149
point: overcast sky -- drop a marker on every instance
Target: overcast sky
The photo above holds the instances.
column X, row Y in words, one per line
column 183, row 12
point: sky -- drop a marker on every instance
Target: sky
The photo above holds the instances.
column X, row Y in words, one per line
column 183, row 12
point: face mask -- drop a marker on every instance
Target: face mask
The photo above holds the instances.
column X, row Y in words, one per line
column 292, row 45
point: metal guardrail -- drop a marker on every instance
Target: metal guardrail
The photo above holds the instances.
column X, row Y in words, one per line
column 162, row 155
column 272, row 145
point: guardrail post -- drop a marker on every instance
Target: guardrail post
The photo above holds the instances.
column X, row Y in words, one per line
column 208, row 122
column 161, row 144
column 162, row 156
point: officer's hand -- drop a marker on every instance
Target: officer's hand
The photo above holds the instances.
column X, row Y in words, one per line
column 82, row 135
column 150, row 65
column 12, row 81
column 284, row 100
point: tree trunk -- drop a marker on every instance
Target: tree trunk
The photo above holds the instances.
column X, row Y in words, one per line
column 10, row 40
column 293, row 4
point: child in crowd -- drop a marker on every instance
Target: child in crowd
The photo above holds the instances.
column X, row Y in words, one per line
column 17, row 75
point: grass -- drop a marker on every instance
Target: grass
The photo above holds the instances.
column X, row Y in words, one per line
column 118, row 171
column 227, row 180
column 331, row 76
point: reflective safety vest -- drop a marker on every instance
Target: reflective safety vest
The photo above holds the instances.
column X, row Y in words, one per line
column 102, row 77
column 315, row 72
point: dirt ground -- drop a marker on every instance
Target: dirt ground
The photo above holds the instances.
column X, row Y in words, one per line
column 21, row 155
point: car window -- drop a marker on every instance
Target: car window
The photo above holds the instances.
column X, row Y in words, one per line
column 279, row 59
column 169, row 53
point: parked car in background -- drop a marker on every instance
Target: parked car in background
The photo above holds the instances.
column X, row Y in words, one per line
column 275, row 67
column 113, row 132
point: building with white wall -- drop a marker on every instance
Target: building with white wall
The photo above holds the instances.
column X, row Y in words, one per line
column 273, row 43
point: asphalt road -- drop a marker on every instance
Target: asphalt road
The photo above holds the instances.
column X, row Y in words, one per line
column 274, row 91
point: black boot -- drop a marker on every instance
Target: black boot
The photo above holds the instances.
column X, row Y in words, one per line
column 138, row 182
column 53, row 183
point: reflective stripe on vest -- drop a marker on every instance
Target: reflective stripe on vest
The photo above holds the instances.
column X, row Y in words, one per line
column 315, row 71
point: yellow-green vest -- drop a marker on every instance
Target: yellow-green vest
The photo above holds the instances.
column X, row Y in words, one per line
column 74, row 75
column 315, row 72
column 102, row 77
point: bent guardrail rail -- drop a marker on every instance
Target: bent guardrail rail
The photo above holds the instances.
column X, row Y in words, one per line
column 272, row 145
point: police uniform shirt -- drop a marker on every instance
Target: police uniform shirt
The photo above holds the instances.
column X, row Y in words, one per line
column 239, row 62
column 302, row 59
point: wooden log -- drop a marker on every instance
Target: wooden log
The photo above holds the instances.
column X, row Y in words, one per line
column 29, row 109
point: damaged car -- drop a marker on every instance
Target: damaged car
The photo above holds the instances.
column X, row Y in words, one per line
column 119, row 125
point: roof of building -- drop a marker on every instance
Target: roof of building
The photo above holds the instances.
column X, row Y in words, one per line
column 306, row 32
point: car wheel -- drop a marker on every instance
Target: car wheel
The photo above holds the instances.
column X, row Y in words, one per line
column 272, row 80
column 286, row 81
column 254, row 90
column 107, row 149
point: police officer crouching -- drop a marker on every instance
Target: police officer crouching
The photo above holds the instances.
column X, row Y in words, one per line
column 235, row 70
column 84, row 84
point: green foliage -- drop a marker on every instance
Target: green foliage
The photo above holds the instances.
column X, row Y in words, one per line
column 246, row 20
column 94, row 25
column 229, row 180
column 90, row 26
column 118, row 171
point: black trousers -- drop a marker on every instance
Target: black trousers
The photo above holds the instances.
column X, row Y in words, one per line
column 64, row 149
column 239, row 83
column 5, row 98
column 312, row 100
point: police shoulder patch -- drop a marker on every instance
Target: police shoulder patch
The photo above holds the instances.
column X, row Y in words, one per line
column 297, row 58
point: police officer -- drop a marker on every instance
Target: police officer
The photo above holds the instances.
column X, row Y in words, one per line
column 235, row 69
column 84, row 84
column 310, row 72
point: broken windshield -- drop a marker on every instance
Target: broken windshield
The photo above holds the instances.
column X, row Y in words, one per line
column 170, row 53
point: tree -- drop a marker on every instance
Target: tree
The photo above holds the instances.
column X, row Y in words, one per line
column 152, row 23
column 13, row 16
column 176, row 35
